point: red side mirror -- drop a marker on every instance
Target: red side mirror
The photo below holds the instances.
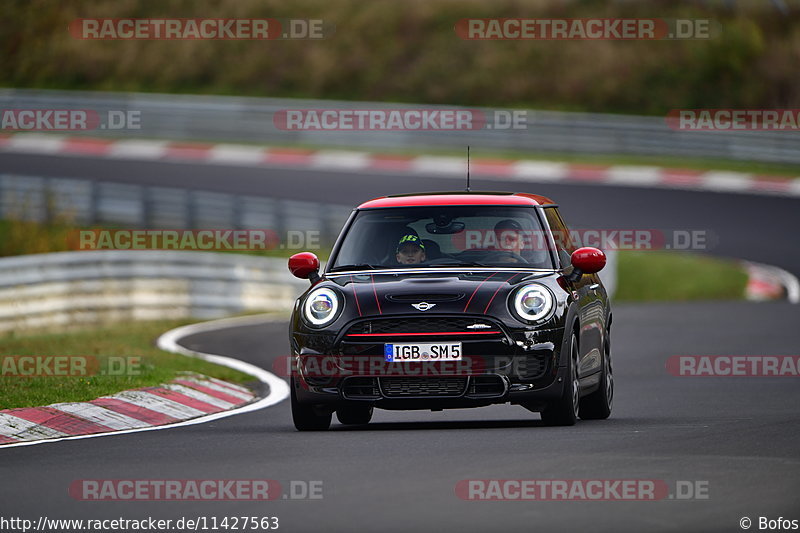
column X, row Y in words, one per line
column 588, row 260
column 304, row 265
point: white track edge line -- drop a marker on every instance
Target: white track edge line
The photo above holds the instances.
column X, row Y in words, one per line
column 168, row 341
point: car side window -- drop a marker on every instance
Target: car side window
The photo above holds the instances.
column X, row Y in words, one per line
column 561, row 235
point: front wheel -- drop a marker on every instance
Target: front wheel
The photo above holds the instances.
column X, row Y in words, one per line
column 597, row 405
column 564, row 411
column 306, row 417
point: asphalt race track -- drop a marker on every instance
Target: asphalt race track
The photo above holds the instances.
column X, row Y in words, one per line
column 736, row 436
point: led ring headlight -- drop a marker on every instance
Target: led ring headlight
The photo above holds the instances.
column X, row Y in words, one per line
column 532, row 302
column 321, row 307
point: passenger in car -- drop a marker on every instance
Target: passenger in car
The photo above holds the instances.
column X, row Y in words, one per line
column 509, row 239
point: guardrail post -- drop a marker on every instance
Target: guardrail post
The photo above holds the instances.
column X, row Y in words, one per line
column 147, row 208
column 238, row 212
column 2, row 197
column 191, row 210
column 94, row 201
column 47, row 200
column 327, row 225
column 281, row 213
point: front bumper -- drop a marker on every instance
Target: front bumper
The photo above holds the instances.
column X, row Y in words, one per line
column 503, row 364
column 532, row 398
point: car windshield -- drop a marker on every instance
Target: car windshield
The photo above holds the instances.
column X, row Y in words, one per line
column 444, row 236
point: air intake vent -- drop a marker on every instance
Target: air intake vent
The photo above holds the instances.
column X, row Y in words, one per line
column 360, row 388
column 424, row 297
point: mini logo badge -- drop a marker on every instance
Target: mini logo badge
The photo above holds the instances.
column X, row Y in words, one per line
column 423, row 306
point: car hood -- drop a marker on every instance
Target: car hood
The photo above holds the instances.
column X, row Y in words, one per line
column 444, row 292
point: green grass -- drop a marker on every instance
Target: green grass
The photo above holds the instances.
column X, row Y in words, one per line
column 19, row 237
column 651, row 276
column 132, row 339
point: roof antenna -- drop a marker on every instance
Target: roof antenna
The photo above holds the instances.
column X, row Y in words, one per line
column 468, row 168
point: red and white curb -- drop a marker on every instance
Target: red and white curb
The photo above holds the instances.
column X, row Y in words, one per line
column 189, row 399
column 185, row 398
column 455, row 167
column 766, row 282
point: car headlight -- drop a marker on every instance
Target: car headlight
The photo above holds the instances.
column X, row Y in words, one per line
column 321, row 307
column 532, row 302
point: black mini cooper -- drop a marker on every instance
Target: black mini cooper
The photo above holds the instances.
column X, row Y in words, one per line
column 451, row 300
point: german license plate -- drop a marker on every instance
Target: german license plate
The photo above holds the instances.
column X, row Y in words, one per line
column 423, row 351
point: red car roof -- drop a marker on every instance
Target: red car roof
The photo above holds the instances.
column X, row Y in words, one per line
column 458, row 198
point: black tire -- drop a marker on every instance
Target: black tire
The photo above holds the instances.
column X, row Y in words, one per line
column 306, row 417
column 564, row 411
column 354, row 414
column 598, row 405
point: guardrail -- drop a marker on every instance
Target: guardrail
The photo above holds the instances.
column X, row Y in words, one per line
column 236, row 119
column 87, row 202
column 88, row 287
column 72, row 288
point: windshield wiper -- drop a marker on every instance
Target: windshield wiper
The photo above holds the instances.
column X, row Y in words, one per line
column 359, row 266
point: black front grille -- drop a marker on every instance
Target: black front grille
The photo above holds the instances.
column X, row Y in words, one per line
column 430, row 324
column 406, row 387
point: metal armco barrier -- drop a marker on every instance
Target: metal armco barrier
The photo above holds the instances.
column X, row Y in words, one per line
column 64, row 289
column 299, row 225
column 236, row 119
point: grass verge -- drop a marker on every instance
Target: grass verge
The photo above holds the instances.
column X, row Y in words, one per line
column 653, row 276
column 109, row 346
